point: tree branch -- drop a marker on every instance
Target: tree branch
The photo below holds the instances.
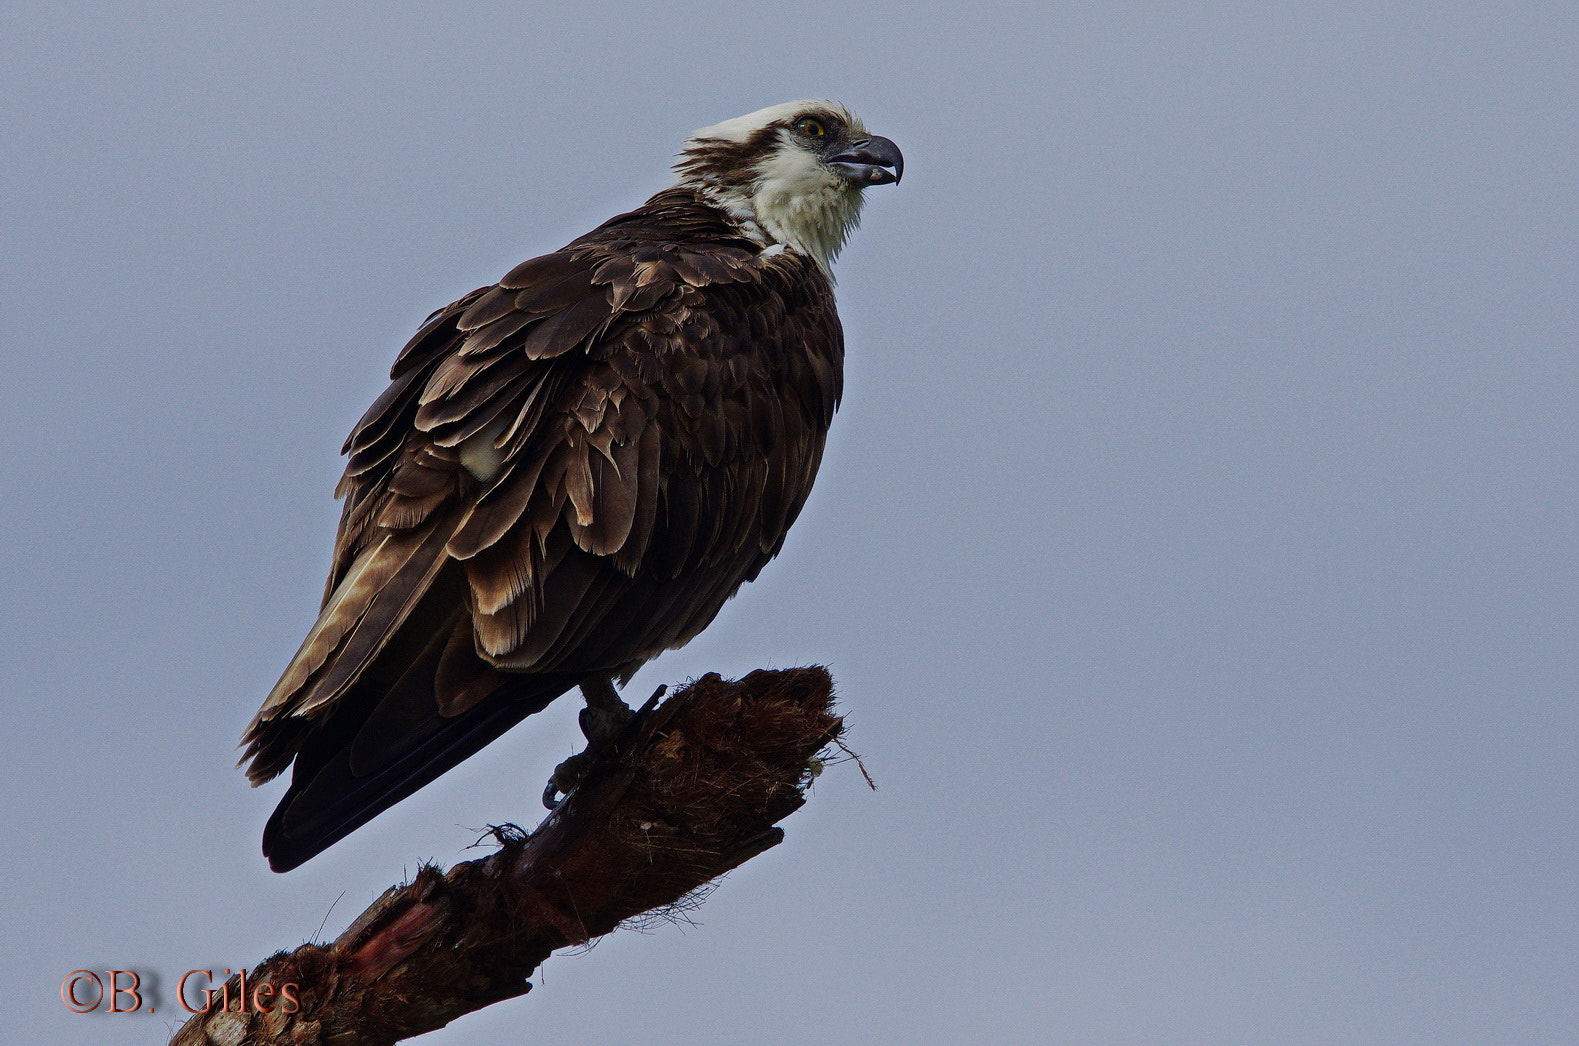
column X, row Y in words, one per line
column 688, row 790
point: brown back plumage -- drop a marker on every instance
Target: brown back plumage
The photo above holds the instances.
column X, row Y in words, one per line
column 570, row 472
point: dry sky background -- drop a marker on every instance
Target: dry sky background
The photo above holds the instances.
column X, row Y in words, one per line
column 1196, row 553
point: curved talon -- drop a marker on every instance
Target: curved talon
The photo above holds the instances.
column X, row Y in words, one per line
column 565, row 778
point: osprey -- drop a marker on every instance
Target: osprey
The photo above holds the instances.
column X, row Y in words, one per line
column 572, row 470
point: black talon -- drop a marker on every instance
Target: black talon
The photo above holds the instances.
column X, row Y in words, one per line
column 565, row 778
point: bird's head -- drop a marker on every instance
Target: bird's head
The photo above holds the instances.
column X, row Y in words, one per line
column 794, row 171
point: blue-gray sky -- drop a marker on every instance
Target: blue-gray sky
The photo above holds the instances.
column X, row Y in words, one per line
column 1196, row 552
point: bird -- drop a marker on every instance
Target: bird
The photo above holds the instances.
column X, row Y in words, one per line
column 572, row 470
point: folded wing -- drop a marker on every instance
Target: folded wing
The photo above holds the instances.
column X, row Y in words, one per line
column 570, row 472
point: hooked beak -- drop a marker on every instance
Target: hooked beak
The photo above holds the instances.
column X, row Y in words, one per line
column 870, row 161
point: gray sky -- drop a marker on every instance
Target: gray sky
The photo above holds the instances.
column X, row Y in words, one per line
column 1196, row 552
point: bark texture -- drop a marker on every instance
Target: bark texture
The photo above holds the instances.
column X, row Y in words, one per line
column 689, row 790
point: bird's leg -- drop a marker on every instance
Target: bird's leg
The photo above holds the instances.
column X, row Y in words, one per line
column 605, row 714
column 601, row 721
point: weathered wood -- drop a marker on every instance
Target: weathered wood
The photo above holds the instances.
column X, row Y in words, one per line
column 689, row 790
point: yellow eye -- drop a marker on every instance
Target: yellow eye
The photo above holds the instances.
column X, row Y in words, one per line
column 811, row 128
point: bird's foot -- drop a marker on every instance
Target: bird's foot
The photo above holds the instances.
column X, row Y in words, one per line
column 565, row 778
column 605, row 715
column 600, row 725
column 603, row 720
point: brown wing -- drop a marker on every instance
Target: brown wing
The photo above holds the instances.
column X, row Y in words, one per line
column 570, row 472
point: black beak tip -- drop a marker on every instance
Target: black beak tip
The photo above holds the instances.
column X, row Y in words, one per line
column 871, row 161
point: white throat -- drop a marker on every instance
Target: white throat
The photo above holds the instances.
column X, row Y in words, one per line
column 787, row 196
column 801, row 204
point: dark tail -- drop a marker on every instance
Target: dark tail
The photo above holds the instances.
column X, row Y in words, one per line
column 379, row 746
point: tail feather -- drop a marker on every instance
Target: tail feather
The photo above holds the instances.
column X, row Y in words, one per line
column 423, row 705
column 352, row 770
